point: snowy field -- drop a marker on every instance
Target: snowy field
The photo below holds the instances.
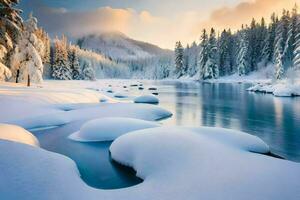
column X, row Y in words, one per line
column 174, row 162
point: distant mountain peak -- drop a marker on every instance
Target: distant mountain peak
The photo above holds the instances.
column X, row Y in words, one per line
column 118, row 46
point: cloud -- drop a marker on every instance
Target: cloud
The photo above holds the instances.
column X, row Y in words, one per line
column 161, row 30
column 242, row 13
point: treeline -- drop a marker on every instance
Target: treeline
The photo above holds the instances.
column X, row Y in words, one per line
column 249, row 49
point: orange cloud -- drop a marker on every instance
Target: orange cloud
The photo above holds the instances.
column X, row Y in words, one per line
column 226, row 17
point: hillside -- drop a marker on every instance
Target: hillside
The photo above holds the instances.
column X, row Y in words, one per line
column 118, row 46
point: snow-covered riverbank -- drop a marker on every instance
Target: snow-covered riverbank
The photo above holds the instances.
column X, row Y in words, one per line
column 174, row 162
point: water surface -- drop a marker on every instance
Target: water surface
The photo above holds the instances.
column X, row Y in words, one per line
column 276, row 120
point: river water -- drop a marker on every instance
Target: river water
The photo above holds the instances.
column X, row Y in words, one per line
column 275, row 120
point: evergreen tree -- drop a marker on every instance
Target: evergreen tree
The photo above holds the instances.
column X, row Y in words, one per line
column 296, row 53
column 203, row 54
column 224, row 53
column 291, row 37
column 242, row 60
column 61, row 67
column 88, row 72
column 11, row 25
column 186, row 59
column 193, row 59
column 25, row 61
column 285, row 24
column 211, row 66
column 280, row 42
column 74, row 63
column 269, row 44
column 179, row 67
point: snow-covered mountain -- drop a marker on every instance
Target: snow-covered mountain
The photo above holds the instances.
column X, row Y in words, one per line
column 118, row 46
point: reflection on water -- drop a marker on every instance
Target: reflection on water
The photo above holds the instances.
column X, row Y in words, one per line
column 273, row 119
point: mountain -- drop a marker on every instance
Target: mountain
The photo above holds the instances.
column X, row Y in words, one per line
column 118, row 46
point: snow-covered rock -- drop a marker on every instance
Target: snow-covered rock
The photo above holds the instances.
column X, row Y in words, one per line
column 146, row 99
column 108, row 129
column 17, row 134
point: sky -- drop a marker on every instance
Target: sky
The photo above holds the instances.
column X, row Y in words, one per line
column 161, row 22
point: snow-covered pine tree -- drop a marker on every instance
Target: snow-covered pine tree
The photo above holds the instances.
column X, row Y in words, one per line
column 224, row 53
column 285, row 21
column 242, row 57
column 291, row 37
column 193, row 67
column 280, row 41
column 88, row 72
column 211, row 66
column 179, row 67
column 25, row 61
column 203, row 54
column 186, row 59
column 10, row 31
column 262, row 35
column 296, row 53
column 269, row 44
column 74, row 63
column 61, row 66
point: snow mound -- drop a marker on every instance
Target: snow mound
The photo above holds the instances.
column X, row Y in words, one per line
column 17, row 134
column 204, row 163
column 146, row 99
column 108, row 129
column 234, row 138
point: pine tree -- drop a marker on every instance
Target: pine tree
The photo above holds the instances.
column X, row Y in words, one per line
column 211, row 66
column 11, row 25
column 61, row 66
column 242, row 61
column 74, row 63
column 88, row 72
column 224, row 53
column 203, row 54
column 269, row 44
column 186, row 59
column 179, row 67
column 296, row 53
column 193, row 59
column 280, row 41
column 25, row 61
column 291, row 37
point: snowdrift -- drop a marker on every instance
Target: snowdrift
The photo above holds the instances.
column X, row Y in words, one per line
column 17, row 134
column 108, row 129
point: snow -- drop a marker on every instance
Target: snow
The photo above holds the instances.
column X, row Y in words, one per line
column 51, row 105
column 175, row 162
column 146, row 99
column 5, row 73
column 108, row 129
column 17, row 134
column 279, row 89
column 185, row 163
